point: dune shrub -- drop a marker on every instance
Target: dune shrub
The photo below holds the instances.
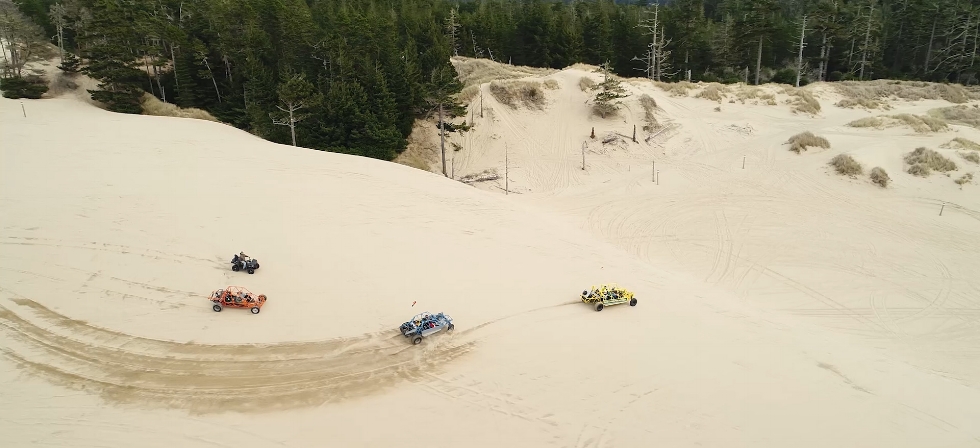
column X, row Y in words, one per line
column 799, row 142
column 880, row 176
column 846, row 165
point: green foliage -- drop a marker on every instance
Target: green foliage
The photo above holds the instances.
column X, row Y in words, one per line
column 385, row 64
column 70, row 64
column 608, row 91
column 23, row 87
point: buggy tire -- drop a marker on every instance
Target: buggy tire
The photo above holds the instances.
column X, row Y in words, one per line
column 598, row 307
column 255, row 310
column 216, row 308
column 251, row 271
column 451, row 327
column 417, row 340
column 256, row 265
column 632, row 302
column 236, row 267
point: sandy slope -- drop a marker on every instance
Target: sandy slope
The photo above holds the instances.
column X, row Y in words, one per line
column 785, row 233
column 115, row 227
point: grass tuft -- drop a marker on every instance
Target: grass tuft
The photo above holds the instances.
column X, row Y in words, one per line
column 518, row 93
column 907, row 90
column 919, row 123
column 551, row 84
column 805, row 102
column 971, row 156
column 880, row 176
column 676, row 88
column 959, row 115
column 924, row 160
column 153, row 106
column 586, row 84
column 965, row 179
column 799, row 142
column 846, row 165
column 865, row 103
column 713, row 92
column 961, row 143
column 649, row 107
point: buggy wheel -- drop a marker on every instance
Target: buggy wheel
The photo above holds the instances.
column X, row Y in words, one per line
column 451, row 327
column 256, row 265
column 598, row 306
column 633, row 302
column 235, row 267
column 251, row 271
column 216, row 308
column 255, row 310
column 417, row 340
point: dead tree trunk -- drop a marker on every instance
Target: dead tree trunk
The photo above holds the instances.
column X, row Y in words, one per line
column 867, row 40
column 799, row 60
column 213, row 81
column 932, row 36
column 823, row 57
column 758, row 63
column 442, row 139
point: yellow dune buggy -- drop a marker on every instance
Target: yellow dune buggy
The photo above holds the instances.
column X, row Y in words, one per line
column 607, row 295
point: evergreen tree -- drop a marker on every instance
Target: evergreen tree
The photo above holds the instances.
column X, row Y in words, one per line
column 609, row 90
column 110, row 53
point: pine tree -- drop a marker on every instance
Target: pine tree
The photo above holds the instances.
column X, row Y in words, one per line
column 609, row 90
column 110, row 44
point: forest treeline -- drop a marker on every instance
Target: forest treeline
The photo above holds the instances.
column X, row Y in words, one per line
column 352, row 76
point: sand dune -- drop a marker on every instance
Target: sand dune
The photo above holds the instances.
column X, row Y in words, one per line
column 779, row 305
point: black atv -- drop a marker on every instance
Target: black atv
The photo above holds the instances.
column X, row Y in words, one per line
column 249, row 265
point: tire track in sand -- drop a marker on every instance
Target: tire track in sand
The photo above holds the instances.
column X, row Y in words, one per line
column 204, row 378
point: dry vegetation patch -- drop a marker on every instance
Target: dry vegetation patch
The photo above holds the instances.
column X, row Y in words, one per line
column 754, row 93
column 476, row 71
column 922, row 123
column 880, row 176
column 865, row 103
column 971, row 156
column 918, row 123
column 799, row 142
column 907, row 90
column 420, row 152
column 713, row 92
column 586, row 84
column 868, row 122
column 923, row 161
column 649, row 106
column 676, row 88
column 551, row 84
column 967, row 178
column 805, row 102
column 846, row 165
column 518, row 93
column 968, row 116
column 961, row 143
column 153, row 106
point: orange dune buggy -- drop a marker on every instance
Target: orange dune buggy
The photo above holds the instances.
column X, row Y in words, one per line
column 236, row 297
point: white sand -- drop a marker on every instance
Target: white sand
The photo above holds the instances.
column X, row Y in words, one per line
column 778, row 306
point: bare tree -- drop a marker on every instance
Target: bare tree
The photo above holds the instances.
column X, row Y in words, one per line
column 663, row 57
column 799, row 60
column 867, row 39
column 651, row 28
column 59, row 18
column 23, row 37
column 295, row 94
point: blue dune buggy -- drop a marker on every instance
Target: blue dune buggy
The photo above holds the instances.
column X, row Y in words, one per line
column 424, row 324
